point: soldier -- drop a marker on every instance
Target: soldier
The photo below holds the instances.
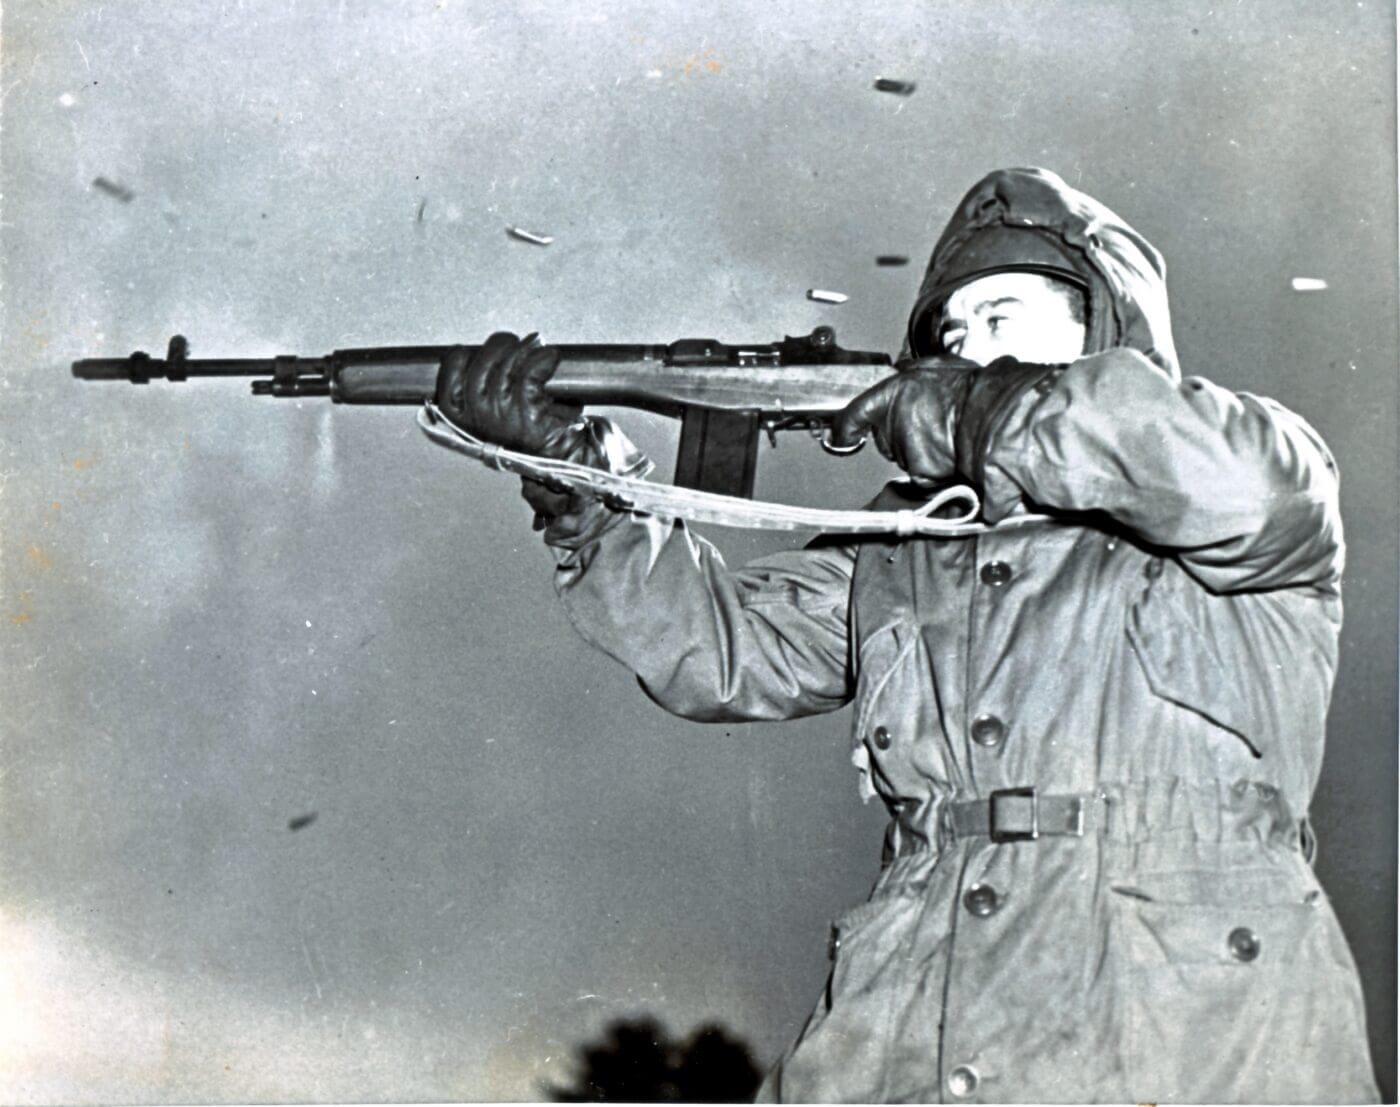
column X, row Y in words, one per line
column 1097, row 735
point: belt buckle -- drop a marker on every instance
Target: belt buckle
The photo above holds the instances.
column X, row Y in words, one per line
column 995, row 832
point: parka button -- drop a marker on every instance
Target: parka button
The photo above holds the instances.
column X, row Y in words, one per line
column 995, row 574
column 1154, row 568
column 881, row 738
column 982, row 900
column 1244, row 944
column 988, row 730
column 962, row 1081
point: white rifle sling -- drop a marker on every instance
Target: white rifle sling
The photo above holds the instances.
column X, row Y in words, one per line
column 628, row 491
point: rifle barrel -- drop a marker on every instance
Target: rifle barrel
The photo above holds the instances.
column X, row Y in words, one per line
column 140, row 368
column 803, row 376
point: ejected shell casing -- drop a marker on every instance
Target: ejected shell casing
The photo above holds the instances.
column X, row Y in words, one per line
column 893, row 84
column 529, row 236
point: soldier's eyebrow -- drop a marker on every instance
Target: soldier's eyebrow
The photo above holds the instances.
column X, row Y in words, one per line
column 987, row 305
column 953, row 323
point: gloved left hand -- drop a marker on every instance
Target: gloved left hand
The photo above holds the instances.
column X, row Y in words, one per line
column 497, row 393
column 913, row 416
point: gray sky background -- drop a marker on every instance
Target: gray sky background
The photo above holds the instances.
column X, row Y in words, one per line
column 221, row 613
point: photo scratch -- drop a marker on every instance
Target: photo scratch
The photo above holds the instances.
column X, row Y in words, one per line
column 310, row 968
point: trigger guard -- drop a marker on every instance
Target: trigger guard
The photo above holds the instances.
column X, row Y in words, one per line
column 840, row 451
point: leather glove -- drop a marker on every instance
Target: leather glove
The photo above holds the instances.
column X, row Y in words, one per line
column 913, row 416
column 938, row 417
column 498, row 394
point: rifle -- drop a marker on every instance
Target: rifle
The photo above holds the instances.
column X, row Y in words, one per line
column 723, row 395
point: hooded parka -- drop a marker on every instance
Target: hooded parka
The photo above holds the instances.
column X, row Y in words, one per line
column 1096, row 736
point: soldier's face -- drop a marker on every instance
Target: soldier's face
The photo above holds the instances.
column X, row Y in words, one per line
column 1025, row 315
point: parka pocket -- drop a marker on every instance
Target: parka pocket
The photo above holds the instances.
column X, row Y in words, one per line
column 1233, row 988
column 1181, row 660
column 843, row 1055
column 864, row 941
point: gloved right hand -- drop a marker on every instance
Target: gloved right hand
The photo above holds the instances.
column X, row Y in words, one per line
column 913, row 416
column 497, row 393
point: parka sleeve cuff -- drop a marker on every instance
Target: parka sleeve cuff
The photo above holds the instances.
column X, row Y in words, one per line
column 584, row 519
column 585, row 523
